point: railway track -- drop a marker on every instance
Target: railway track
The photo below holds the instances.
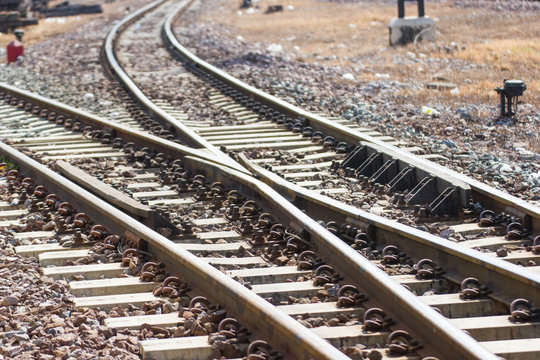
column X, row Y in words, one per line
column 336, row 158
column 342, row 161
column 108, row 270
column 142, row 166
column 221, row 243
column 63, row 251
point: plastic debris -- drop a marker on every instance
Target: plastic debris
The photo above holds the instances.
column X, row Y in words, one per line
column 430, row 111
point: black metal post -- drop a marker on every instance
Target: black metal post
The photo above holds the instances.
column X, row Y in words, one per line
column 503, row 105
column 401, row 8
column 421, row 11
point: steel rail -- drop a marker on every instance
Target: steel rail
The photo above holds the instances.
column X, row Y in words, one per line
column 154, row 111
column 337, row 251
column 422, row 320
column 117, row 130
column 294, row 339
column 333, row 252
column 242, row 180
column 492, row 198
column 388, row 292
column 508, row 281
column 316, row 205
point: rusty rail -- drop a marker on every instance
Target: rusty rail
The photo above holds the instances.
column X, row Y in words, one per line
column 394, row 297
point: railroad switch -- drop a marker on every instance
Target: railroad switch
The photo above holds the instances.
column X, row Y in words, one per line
column 509, row 94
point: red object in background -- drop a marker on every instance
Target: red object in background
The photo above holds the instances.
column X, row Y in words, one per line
column 14, row 50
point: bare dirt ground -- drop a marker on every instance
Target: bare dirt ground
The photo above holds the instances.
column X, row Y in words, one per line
column 492, row 44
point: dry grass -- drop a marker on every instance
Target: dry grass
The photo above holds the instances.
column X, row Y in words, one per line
column 497, row 45
column 510, row 59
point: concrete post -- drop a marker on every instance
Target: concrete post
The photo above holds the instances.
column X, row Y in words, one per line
column 404, row 30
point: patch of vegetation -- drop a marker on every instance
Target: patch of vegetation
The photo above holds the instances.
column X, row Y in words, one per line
column 6, row 164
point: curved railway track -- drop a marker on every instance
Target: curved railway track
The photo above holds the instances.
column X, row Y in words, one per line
column 167, row 191
column 338, row 160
